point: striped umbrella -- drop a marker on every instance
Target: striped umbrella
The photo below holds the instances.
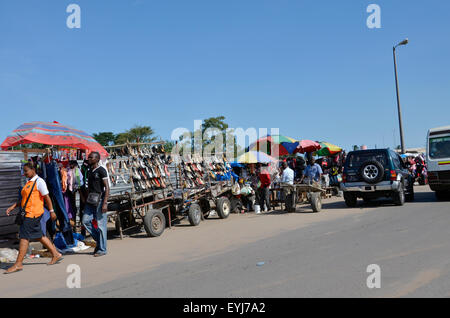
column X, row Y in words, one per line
column 270, row 144
column 53, row 134
column 255, row 157
column 328, row 149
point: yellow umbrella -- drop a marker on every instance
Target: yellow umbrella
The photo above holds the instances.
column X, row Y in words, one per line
column 328, row 149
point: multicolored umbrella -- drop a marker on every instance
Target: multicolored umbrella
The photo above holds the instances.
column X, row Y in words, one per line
column 328, row 149
column 53, row 134
column 275, row 143
column 308, row 146
column 255, row 157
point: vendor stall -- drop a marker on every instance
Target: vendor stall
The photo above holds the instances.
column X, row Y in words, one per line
column 65, row 143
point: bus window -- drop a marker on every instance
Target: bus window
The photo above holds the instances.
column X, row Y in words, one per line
column 439, row 147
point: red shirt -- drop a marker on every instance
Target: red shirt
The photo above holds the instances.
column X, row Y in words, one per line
column 265, row 180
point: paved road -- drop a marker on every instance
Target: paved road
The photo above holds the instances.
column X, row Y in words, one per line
column 304, row 255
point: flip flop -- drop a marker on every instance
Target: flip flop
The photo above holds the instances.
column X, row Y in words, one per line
column 99, row 254
column 57, row 261
column 17, row 270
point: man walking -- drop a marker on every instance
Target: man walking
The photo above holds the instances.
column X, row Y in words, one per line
column 96, row 203
column 264, row 191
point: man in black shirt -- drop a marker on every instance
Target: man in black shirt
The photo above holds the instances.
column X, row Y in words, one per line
column 96, row 203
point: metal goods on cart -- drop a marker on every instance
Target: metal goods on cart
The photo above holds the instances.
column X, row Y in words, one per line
column 152, row 189
column 202, row 187
column 141, row 187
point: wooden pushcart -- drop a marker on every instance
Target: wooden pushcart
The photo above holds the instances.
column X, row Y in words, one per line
column 299, row 193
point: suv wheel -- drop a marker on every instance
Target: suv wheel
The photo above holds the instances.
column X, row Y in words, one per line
column 371, row 171
column 399, row 197
column 410, row 195
column 350, row 199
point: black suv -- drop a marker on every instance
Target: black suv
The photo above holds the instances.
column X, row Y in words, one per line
column 375, row 173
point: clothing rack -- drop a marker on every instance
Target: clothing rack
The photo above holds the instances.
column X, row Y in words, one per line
column 135, row 144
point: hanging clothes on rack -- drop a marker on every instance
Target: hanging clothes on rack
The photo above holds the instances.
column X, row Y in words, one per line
column 54, row 187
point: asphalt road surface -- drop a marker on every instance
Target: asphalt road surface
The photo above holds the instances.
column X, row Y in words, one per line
column 299, row 254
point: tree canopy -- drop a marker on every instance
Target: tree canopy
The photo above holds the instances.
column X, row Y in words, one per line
column 105, row 138
column 135, row 134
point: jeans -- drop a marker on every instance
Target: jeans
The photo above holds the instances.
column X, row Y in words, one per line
column 98, row 234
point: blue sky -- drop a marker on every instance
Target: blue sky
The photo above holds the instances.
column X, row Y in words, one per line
column 311, row 68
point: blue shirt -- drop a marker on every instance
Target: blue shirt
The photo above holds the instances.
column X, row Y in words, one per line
column 288, row 176
column 313, row 172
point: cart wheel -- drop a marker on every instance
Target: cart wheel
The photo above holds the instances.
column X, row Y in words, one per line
column 195, row 214
column 316, row 201
column 223, row 207
column 154, row 223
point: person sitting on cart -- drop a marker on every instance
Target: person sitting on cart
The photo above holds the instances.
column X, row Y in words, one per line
column 313, row 172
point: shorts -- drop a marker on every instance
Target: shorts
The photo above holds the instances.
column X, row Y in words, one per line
column 31, row 229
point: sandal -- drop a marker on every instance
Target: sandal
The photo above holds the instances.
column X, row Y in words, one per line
column 56, row 262
column 16, row 269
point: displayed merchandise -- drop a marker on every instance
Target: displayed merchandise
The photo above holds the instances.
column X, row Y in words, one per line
column 191, row 173
column 194, row 172
column 145, row 168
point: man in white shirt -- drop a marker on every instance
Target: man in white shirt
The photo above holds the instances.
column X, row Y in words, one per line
column 288, row 177
column 288, row 174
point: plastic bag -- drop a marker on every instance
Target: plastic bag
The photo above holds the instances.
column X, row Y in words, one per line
column 8, row 255
column 245, row 191
column 236, row 189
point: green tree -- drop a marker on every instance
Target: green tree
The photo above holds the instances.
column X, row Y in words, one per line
column 104, row 138
column 122, row 138
column 218, row 123
column 168, row 146
column 136, row 134
column 215, row 122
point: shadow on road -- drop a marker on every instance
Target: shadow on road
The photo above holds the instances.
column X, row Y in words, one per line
column 420, row 197
column 423, row 197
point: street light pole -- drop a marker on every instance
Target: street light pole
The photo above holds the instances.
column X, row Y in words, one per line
column 402, row 141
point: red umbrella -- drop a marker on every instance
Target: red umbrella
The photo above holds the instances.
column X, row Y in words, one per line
column 308, row 146
column 53, row 134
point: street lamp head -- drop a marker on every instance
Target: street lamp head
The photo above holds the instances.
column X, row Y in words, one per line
column 404, row 42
